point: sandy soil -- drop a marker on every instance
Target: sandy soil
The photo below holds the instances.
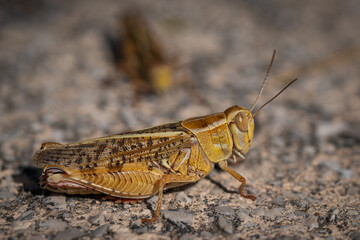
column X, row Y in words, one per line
column 58, row 83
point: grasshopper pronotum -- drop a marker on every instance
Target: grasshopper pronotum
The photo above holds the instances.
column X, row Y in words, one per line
column 140, row 164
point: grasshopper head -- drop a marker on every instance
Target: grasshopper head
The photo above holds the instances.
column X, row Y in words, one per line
column 241, row 125
column 241, row 121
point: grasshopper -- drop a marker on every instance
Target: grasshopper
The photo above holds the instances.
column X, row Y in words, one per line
column 139, row 164
column 142, row 56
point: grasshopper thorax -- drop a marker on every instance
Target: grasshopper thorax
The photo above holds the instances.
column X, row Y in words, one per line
column 241, row 125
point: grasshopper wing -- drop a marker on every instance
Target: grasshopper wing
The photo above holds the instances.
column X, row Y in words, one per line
column 151, row 144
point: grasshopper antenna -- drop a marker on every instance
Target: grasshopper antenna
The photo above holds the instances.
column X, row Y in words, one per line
column 275, row 96
column 265, row 78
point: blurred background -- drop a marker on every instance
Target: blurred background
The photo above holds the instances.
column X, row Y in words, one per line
column 72, row 70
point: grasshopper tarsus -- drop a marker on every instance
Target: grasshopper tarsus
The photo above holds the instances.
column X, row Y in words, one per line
column 150, row 220
column 251, row 197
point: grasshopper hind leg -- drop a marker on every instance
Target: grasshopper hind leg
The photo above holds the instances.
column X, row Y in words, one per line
column 158, row 205
column 162, row 183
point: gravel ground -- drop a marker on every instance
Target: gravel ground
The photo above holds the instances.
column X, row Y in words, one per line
column 58, row 83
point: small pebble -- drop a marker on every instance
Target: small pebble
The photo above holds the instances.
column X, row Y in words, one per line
column 249, row 225
column 340, row 190
column 137, row 222
column 274, row 212
column 225, row 210
column 257, row 212
column 244, row 210
column 69, row 234
column 178, row 216
column 243, row 216
column 290, row 215
column 187, row 236
column 312, row 222
column 153, row 200
column 334, row 215
column 300, row 213
column 327, row 129
column 65, row 215
column 138, row 227
column 304, row 203
column 26, row 215
column 310, row 150
column 127, row 205
column 100, row 231
column 354, row 235
column 97, row 219
column 353, row 191
column 279, row 201
column 21, row 225
column 140, row 230
column 206, row 235
column 352, row 213
column 38, row 237
column 5, row 194
column 225, row 225
column 55, row 224
column 336, row 167
column 8, row 152
column 55, row 202
column 181, row 197
column 237, row 236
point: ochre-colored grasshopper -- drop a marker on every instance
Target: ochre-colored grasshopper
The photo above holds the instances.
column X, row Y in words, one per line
column 142, row 56
column 140, row 164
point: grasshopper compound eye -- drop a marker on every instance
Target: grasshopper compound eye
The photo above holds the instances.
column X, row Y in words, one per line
column 241, row 122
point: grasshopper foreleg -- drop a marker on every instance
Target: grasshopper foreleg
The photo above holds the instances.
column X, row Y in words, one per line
column 224, row 166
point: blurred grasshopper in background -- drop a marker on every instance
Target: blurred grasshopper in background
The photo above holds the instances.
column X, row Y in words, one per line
column 142, row 57
column 140, row 164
